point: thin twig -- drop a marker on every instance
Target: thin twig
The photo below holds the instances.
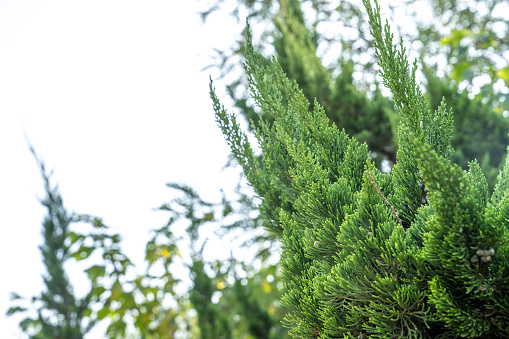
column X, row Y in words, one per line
column 388, row 204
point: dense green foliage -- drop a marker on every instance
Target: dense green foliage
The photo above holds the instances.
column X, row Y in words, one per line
column 421, row 251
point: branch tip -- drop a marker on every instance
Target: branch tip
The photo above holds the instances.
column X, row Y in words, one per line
column 388, row 204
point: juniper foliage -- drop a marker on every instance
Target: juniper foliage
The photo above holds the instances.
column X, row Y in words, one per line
column 421, row 252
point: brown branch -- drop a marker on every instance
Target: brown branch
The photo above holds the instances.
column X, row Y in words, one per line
column 388, row 204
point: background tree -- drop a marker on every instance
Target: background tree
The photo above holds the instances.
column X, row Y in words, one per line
column 229, row 299
column 470, row 38
column 232, row 298
column 145, row 304
column 60, row 312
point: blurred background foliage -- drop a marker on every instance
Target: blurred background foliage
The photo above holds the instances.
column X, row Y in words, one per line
column 325, row 46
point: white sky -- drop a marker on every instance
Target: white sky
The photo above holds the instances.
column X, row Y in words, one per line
column 111, row 95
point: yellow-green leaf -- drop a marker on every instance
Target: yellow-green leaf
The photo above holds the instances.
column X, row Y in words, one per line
column 503, row 73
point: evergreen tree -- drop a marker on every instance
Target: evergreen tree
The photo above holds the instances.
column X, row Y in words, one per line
column 363, row 112
column 212, row 322
column 348, row 268
column 419, row 252
column 139, row 302
column 60, row 312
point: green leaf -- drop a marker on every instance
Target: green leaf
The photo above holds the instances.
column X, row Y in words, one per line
column 98, row 223
column 227, row 208
column 456, row 36
column 15, row 309
column 82, row 253
column 26, row 323
column 208, row 217
column 75, row 237
column 503, row 73
column 102, row 313
column 460, row 70
column 87, row 312
column 15, row 296
column 98, row 290
column 117, row 328
column 116, row 291
column 96, row 271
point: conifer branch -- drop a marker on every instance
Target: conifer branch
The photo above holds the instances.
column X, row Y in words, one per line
column 388, row 204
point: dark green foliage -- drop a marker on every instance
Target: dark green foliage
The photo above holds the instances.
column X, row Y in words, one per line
column 59, row 295
column 147, row 305
column 469, row 36
column 368, row 120
column 420, row 252
column 212, row 322
column 466, row 246
column 241, row 311
column 295, row 46
column 259, row 322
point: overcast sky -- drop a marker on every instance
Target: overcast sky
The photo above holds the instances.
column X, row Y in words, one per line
column 111, row 95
